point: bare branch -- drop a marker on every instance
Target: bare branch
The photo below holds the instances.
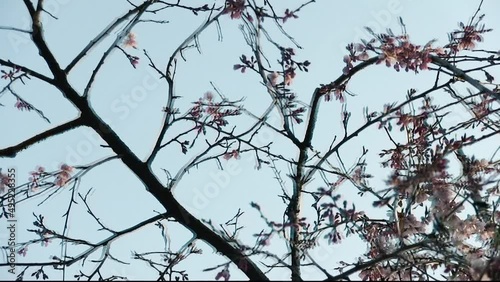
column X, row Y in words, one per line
column 170, row 75
column 461, row 74
column 103, row 35
column 12, row 151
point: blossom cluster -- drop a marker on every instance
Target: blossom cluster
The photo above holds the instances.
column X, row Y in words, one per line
column 131, row 41
column 23, row 105
column 36, row 177
column 235, row 8
column 206, row 110
column 396, row 51
column 64, row 175
column 11, row 73
column 467, row 36
column 4, row 182
column 232, row 154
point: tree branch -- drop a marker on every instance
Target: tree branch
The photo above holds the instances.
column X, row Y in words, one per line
column 313, row 112
column 364, row 265
column 95, row 246
column 169, row 75
column 102, row 35
column 27, row 71
column 139, row 168
column 318, row 164
column 461, row 74
column 12, row 151
column 115, row 43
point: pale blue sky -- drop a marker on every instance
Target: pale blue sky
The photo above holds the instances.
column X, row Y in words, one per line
column 322, row 30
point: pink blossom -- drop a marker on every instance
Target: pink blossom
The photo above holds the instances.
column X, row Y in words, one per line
column 45, row 242
column 467, row 38
column 4, row 182
column 64, row 175
column 469, row 227
column 363, row 56
column 272, row 79
column 289, row 76
column 22, row 251
column 235, row 8
column 488, row 232
column 339, row 93
column 233, row 154
column 134, row 60
column 11, row 73
column 348, row 64
column 359, row 47
column 209, row 96
column 7, row 74
column 289, row 14
column 35, row 177
column 265, row 239
column 22, row 105
column 130, row 41
column 223, row 274
column 66, row 168
column 412, row 226
column 45, row 238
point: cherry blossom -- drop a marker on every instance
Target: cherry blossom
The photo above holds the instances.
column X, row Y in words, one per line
column 233, row 154
column 224, row 274
column 289, row 14
column 134, row 60
column 272, row 79
column 64, row 175
column 23, row 105
column 23, row 251
column 235, row 8
column 130, row 41
column 4, row 182
column 11, row 73
column 34, row 179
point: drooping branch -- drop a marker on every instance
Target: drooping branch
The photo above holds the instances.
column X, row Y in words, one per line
column 25, row 104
